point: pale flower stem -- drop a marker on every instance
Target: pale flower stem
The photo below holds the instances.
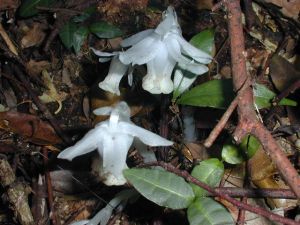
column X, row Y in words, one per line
column 189, row 125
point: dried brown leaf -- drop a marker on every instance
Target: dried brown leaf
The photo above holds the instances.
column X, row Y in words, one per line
column 283, row 73
column 34, row 36
column 30, row 127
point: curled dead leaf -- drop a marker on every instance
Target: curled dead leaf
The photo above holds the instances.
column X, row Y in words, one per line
column 34, row 36
column 52, row 95
column 30, row 127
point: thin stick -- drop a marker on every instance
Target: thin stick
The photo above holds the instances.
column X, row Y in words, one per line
column 221, row 124
column 7, row 40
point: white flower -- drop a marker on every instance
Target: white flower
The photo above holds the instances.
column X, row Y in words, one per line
column 161, row 49
column 113, row 139
column 181, row 82
column 103, row 216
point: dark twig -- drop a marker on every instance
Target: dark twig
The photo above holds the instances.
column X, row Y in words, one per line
column 257, row 210
column 221, row 124
column 249, row 13
column 293, row 87
column 54, row 219
column 66, row 11
column 163, row 124
column 256, row 193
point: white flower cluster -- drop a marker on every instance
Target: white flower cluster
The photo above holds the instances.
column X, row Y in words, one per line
column 113, row 138
column 161, row 49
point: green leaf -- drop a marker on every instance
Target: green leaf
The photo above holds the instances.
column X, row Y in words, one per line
column 78, row 38
column 206, row 211
column 263, row 97
column 28, row 7
column 219, row 94
column 105, row 30
column 162, row 187
column 86, row 14
column 214, row 93
column 66, row 34
column 73, row 35
column 204, row 41
column 209, row 171
column 232, row 154
column 249, row 145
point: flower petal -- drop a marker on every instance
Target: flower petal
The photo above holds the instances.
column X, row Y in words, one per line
column 195, row 53
column 134, row 39
column 87, row 144
column 193, row 67
column 103, row 216
column 159, row 71
column 142, row 52
column 185, row 63
column 182, row 83
column 103, row 111
column 147, row 154
column 80, row 222
column 169, row 23
column 144, row 135
column 104, row 54
column 114, row 76
column 115, row 147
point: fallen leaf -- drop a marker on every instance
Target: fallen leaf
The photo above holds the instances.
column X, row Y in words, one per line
column 262, row 172
column 36, row 67
column 283, row 73
column 34, row 36
column 194, row 151
column 289, row 8
column 30, row 127
column 9, row 4
column 204, row 4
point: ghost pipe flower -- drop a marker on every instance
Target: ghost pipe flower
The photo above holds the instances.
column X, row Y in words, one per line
column 102, row 217
column 161, row 49
column 113, row 139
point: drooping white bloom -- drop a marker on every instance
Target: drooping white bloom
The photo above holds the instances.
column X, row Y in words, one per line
column 102, row 217
column 113, row 139
column 161, row 49
column 181, row 82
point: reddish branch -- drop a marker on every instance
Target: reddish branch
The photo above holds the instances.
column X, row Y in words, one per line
column 257, row 210
column 248, row 122
column 255, row 193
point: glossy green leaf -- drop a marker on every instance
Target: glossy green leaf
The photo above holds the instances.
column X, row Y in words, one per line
column 264, row 96
column 209, row 171
column 66, row 34
column 232, row 154
column 73, row 35
column 219, row 94
column 28, row 7
column 214, row 93
column 105, row 30
column 249, row 145
column 78, row 37
column 162, row 187
column 205, row 41
column 206, row 211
